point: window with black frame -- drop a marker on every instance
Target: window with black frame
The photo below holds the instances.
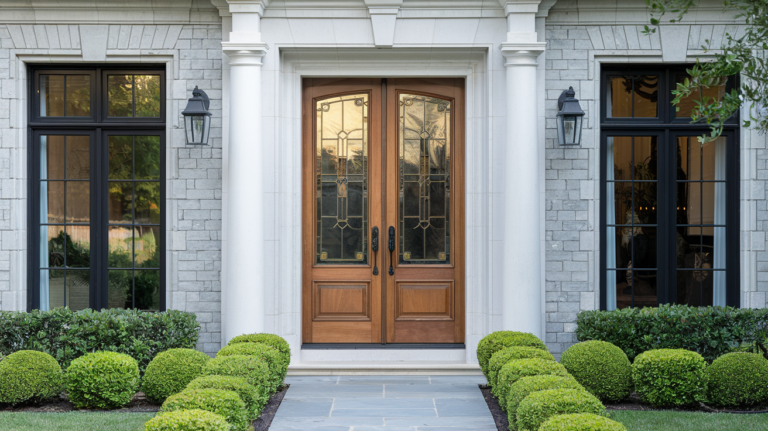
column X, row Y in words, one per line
column 97, row 190
column 669, row 203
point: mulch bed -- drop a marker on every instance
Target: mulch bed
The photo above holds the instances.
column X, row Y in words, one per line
column 631, row 403
column 139, row 404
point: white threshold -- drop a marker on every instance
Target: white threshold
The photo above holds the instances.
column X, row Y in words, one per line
column 329, row 362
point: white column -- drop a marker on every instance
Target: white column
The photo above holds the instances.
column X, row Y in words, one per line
column 522, row 260
column 244, row 308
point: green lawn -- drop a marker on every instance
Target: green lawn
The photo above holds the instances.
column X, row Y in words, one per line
column 77, row 421
column 689, row 421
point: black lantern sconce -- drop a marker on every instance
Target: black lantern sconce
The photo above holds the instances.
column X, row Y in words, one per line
column 569, row 119
column 197, row 119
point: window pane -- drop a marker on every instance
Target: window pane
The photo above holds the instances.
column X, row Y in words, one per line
column 120, row 247
column 78, row 289
column 51, row 95
column 120, row 157
column 120, row 289
column 120, row 202
column 634, row 288
column 645, row 203
column 52, row 288
column 147, row 95
column 620, row 97
column 147, row 289
column 688, row 104
column 52, row 157
column 120, row 95
column 78, row 246
column 78, row 95
column 52, row 201
column 78, row 201
column 147, row 246
column 52, row 247
column 635, row 157
column 147, row 157
column 78, row 157
column 645, row 97
column 147, row 202
column 633, row 97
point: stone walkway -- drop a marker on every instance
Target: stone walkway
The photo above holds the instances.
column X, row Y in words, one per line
column 390, row 403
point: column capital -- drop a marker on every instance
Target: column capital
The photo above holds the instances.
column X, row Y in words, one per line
column 520, row 6
column 248, row 6
column 522, row 54
column 244, row 54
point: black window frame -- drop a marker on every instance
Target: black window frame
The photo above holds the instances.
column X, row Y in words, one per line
column 667, row 126
column 99, row 127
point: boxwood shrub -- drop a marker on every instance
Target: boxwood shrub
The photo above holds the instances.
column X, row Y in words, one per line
column 66, row 334
column 249, row 368
column 515, row 370
column 537, row 407
column 171, row 371
column 102, row 380
column 670, row 377
column 512, row 353
column 248, row 393
column 496, row 341
column 187, row 420
column 528, row 385
column 29, row 376
column 581, row 422
column 265, row 353
column 736, row 379
column 602, row 368
column 711, row 331
column 277, row 342
column 225, row 403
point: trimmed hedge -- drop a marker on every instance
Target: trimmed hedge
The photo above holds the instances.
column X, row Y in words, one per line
column 737, row 379
column 515, row 370
column 581, row 422
column 263, row 352
column 500, row 358
column 272, row 340
column 496, row 341
column 528, row 385
column 225, row 403
column 102, row 380
column 251, row 369
column 711, row 331
column 537, row 407
column 238, row 385
column 602, row 368
column 187, row 420
column 66, row 335
column 29, row 376
column 170, row 372
column 670, row 377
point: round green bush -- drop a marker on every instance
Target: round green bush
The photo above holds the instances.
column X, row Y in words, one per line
column 581, row 422
column 170, row 372
column 496, row 341
column 225, row 403
column 102, row 380
column 500, row 358
column 275, row 341
column 528, row 385
column 187, row 420
column 265, row 353
column 249, row 368
column 670, row 377
column 537, row 407
column 602, row 368
column 737, row 379
column 515, row 370
column 28, row 375
column 238, row 385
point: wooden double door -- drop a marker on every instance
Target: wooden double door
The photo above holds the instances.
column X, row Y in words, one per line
column 383, row 210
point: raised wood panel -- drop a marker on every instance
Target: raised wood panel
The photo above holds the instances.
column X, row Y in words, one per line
column 424, row 301
column 342, row 302
column 414, row 331
column 342, row 332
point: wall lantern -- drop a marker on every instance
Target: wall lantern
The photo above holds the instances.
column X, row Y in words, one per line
column 569, row 118
column 197, row 119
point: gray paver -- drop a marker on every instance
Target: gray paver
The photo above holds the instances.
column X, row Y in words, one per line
column 387, row 403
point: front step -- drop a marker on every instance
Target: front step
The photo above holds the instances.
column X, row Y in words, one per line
column 379, row 368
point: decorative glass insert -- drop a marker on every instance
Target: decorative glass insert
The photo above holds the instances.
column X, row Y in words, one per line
column 342, row 179
column 701, row 209
column 65, row 95
column 633, row 96
column 65, row 217
column 134, row 222
column 631, row 221
column 425, row 179
column 133, row 96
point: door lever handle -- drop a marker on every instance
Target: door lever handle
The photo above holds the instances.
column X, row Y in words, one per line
column 391, row 248
column 375, row 248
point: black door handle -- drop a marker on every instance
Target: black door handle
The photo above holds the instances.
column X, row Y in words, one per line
column 391, row 248
column 375, row 248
